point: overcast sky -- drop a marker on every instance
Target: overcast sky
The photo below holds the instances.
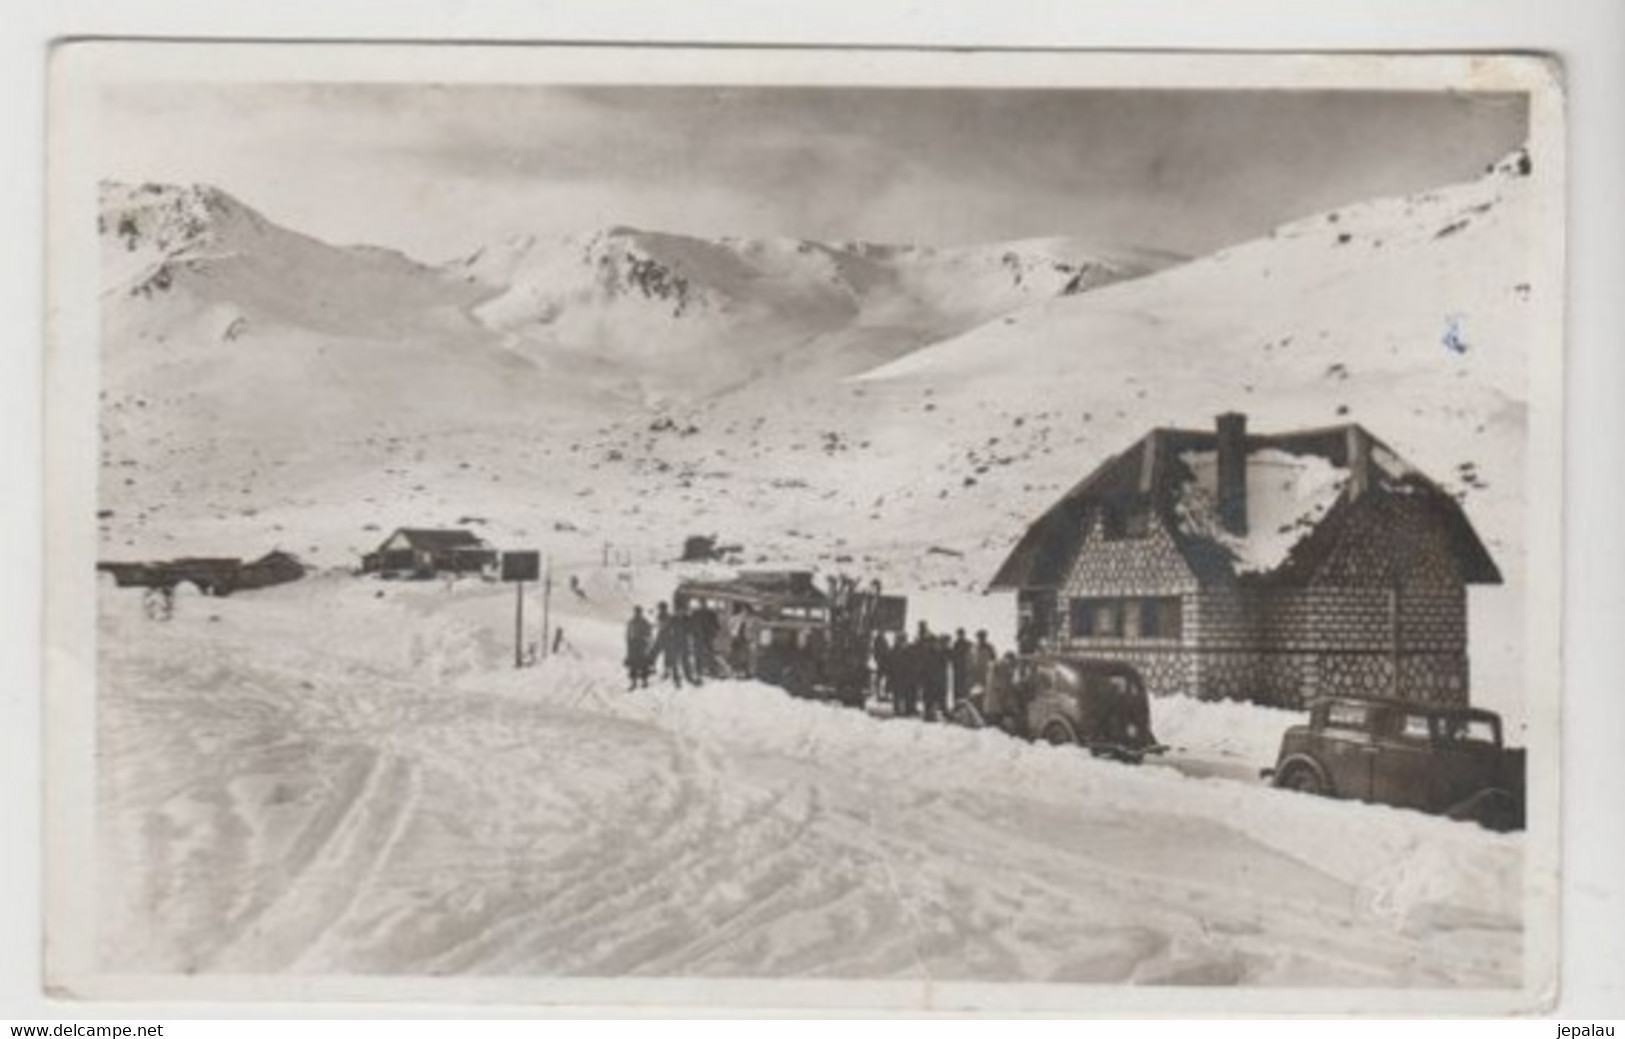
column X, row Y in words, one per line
column 437, row 171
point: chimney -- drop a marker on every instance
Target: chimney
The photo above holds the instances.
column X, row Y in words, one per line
column 1232, row 441
column 1359, row 448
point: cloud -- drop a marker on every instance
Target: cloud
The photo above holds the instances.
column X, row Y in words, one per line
column 428, row 168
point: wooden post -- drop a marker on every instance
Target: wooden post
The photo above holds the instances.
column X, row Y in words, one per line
column 519, row 624
column 547, row 604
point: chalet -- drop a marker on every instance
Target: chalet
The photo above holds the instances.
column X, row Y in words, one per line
column 1273, row 568
column 416, row 552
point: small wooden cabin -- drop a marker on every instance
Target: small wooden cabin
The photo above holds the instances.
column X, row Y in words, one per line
column 414, row 552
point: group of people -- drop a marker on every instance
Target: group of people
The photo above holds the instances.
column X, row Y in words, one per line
column 931, row 674
column 679, row 641
column 925, row 676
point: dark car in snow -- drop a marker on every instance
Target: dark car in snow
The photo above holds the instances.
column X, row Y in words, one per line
column 1446, row 760
column 1067, row 700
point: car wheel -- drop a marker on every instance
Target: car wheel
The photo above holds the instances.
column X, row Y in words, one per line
column 1123, row 731
column 1057, row 733
column 1302, row 779
column 1494, row 810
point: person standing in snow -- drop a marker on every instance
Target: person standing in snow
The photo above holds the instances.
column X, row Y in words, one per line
column 900, row 677
column 999, row 706
column 934, row 653
column 960, row 657
column 983, row 657
column 740, row 635
column 706, row 628
column 1027, row 635
column 667, row 645
column 639, row 648
column 685, row 645
column 882, row 657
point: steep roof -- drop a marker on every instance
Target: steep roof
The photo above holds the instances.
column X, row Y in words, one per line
column 1302, row 486
column 431, row 540
column 275, row 556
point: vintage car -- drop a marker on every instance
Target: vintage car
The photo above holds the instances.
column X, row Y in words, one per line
column 1445, row 760
column 1065, row 700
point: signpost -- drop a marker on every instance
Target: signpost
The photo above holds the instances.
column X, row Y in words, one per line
column 547, row 607
column 520, row 567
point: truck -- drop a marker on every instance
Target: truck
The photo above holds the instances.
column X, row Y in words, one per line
column 780, row 627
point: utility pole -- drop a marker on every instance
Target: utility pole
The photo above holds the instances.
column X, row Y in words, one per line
column 519, row 624
column 519, row 567
column 547, row 605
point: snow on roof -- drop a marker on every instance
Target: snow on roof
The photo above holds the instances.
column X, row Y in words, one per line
column 1390, row 464
column 439, row 540
column 1287, row 495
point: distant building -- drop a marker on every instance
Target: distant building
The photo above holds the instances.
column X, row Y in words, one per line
column 212, row 575
column 1267, row 568
column 419, row 553
column 275, row 567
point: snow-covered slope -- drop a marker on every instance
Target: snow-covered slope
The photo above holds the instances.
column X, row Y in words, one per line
column 1411, row 316
column 662, row 315
column 343, row 777
column 1407, row 315
column 228, row 342
column 251, row 372
column 339, row 775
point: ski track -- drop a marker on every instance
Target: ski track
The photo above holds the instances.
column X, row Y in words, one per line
column 294, row 804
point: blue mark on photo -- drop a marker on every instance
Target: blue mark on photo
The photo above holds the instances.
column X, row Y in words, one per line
column 1453, row 340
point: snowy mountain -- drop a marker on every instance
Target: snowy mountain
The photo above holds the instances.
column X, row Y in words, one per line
column 202, row 289
column 1410, row 316
column 661, row 315
column 1407, row 315
column 342, row 775
column 199, row 241
column 245, row 362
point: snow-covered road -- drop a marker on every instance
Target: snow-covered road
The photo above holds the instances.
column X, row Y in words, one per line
column 320, row 779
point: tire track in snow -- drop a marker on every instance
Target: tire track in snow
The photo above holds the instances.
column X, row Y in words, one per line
column 291, row 930
column 546, row 823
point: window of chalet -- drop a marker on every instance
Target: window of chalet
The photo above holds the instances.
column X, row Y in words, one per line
column 1121, row 522
column 1111, row 522
column 1161, row 618
column 1153, row 618
column 1097, row 618
column 1137, row 523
